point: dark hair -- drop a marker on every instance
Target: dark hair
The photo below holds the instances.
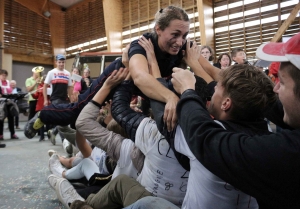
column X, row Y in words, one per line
column 235, row 51
column 294, row 73
column 210, row 50
column 115, row 127
column 250, row 90
column 163, row 17
column 2, row 71
column 221, row 56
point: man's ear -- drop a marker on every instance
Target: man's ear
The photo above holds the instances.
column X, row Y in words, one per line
column 226, row 104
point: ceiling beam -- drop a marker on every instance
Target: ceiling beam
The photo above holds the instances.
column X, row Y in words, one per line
column 285, row 25
column 33, row 5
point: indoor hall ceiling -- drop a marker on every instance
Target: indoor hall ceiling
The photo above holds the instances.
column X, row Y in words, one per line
column 66, row 3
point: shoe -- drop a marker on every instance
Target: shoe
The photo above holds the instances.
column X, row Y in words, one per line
column 2, row 145
column 67, row 147
column 14, row 137
column 66, row 193
column 51, row 152
column 53, row 180
column 52, row 137
column 17, row 127
column 80, row 204
column 55, row 166
column 32, row 126
column 41, row 139
column 1, row 137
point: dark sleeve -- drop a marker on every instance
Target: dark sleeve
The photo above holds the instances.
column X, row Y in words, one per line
column 275, row 114
column 243, row 161
column 83, row 86
column 135, row 48
column 121, row 111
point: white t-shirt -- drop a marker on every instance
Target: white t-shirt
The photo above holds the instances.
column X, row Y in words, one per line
column 59, row 81
column 124, row 164
column 205, row 190
column 162, row 175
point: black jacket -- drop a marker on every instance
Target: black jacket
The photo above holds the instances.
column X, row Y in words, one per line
column 121, row 111
column 266, row 167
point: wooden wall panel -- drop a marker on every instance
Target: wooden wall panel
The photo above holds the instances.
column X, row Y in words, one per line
column 138, row 13
column 85, row 23
column 26, row 34
column 247, row 36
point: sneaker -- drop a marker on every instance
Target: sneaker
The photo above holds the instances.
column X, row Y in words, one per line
column 53, row 180
column 51, row 137
column 32, row 126
column 51, row 152
column 41, row 139
column 17, row 127
column 67, row 147
column 66, row 193
column 55, row 166
column 2, row 145
column 14, row 137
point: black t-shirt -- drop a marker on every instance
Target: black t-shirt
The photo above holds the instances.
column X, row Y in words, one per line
column 166, row 62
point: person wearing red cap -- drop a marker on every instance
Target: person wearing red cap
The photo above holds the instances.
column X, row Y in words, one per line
column 266, row 167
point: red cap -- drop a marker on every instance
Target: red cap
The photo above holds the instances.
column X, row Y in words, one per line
column 281, row 52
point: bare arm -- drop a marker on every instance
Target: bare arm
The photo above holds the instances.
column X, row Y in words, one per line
column 138, row 67
column 45, row 94
column 30, row 88
column 192, row 55
column 82, row 145
column 70, row 93
column 210, row 69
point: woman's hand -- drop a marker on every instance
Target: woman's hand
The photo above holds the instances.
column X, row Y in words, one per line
column 151, row 58
column 170, row 116
column 125, row 58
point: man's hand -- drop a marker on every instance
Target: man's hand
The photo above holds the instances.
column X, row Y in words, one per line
column 115, row 78
column 125, row 59
column 182, row 80
column 46, row 103
column 192, row 53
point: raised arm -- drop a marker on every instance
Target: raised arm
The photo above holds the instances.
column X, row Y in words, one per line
column 87, row 125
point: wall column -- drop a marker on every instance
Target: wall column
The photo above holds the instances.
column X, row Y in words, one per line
column 205, row 11
column 113, row 19
column 1, row 32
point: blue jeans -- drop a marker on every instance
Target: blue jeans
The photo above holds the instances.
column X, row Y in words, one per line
column 152, row 203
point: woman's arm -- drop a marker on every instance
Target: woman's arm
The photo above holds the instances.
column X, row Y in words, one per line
column 139, row 71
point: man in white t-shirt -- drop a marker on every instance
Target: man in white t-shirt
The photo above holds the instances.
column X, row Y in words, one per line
column 60, row 81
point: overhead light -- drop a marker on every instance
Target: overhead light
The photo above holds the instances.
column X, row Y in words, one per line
column 47, row 14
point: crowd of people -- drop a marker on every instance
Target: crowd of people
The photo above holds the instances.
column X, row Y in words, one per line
column 198, row 138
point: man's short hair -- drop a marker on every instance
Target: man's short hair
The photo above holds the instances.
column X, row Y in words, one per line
column 250, row 90
column 235, row 51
